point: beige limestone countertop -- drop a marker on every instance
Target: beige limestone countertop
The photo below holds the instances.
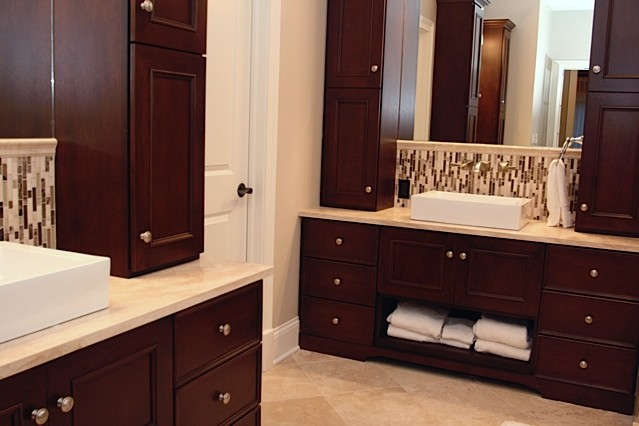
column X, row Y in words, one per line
column 536, row 231
column 132, row 303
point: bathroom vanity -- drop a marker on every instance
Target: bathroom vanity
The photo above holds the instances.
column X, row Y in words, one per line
column 572, row 289
column 177, row 347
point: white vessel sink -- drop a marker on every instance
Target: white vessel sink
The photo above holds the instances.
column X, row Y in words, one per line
column 41, row 287
column 471, row 209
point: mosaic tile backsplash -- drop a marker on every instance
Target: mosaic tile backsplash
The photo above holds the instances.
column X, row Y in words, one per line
column 509, row 171
column 27, row 196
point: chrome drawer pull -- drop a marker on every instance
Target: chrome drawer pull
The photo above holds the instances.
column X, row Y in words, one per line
column 40, row 416
column 594, row 273
column 583, row 364
column 339, row 241
column 225, row 398
column 588, row 319
column 463, row 256
column 449, row 254
column 337, row 281
column 225, row 329
column 65, row 404
column 335, row 321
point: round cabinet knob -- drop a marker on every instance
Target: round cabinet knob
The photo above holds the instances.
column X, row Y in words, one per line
column 146, row 236
column 583, row 207
column 147, row 6
column 337, row 281
column 596, row 69
column 449, row 254
column 368, row 189
column 225, row 398
column 40, row 416
column 594, row 273
column 225, row 329
column 374, row 68
column 339, row 241
column 65, row 404
column 583, row 364
column 335, row 321
column 588, row 319
column 463, row 256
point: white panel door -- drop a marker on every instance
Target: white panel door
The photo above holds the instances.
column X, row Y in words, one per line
column 227, row 128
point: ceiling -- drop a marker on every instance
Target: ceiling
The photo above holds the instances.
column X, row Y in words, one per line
column 570, row 4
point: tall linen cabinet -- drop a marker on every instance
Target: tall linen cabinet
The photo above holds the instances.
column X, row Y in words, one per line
column 129, row 119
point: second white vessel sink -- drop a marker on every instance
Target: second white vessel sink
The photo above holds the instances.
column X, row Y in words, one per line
column 42, row 287
column 471, row 209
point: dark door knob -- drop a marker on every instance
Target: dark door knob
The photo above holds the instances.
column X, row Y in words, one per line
column 242, row 190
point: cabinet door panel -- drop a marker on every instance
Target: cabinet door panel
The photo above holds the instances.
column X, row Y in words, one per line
column 414, row 264
column 609, row 180
column 166, row 148
column 350, row 148
column 176, row 24
column 502, row 276
column 125, row 380
column 614, row 46
column 20, row 395
column 354, row 42
column 339, row 281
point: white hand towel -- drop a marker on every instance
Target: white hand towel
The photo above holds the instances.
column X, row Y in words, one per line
column 458, row 329
column 501, row 349
column 511, row 334
column 421, row 319
column 557, row 201
column 409, row 335
column 454, row 343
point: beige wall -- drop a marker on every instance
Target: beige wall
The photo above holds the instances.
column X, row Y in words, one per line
column 301, row 101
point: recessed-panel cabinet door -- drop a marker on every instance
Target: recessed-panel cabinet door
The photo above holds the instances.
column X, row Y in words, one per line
column 21, row 395
column 167, row 147
column 176, row 24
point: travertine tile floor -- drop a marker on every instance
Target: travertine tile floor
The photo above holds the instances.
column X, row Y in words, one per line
column 310, row 389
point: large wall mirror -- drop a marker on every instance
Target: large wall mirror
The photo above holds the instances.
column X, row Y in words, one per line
column 547, row 73
column 26, row 70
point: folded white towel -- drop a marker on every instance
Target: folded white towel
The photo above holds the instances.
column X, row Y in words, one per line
column 454, row 343
column 557, row 201
column 501, row 349
column 458, row 329
column 419, row 318
column 509, row 333
column 409, row 335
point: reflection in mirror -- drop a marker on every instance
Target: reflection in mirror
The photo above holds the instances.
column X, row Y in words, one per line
column 26, row 101
column 549, row 47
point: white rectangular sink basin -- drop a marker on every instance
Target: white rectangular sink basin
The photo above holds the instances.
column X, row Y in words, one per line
column 471, row 209
column 42, row 287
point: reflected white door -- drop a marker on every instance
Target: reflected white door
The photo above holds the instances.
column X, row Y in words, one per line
column 227, row 128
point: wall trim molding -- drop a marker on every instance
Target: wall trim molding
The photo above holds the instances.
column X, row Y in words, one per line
column 280, row 343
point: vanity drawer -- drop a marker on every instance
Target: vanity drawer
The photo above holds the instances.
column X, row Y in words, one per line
column 593, row 318
column 339, row 281
column 597, row 272
column 337, row 320
column 341, row 241
column 201, row 401
column 588, row 364
column 214, row 330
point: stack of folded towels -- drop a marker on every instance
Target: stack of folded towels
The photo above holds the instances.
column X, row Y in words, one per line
column 507, row 338
column 423, row 323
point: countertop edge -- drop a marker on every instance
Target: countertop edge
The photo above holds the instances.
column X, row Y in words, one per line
column 127, row 312
column 534, row 231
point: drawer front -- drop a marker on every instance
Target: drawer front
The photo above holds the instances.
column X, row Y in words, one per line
column 597, row 272
column 588, row 364
column 201, row 339
column 341, row 241
column 337, row 320
column 592, row 318
column 339, row 281
column 201, row 401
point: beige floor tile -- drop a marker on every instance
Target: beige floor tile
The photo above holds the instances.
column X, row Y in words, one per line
column 287, row 381
column 297, row 412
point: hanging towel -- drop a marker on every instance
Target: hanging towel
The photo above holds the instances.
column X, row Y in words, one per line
column 557, row 201
column 509, row 333
column 501, row 349
column 409, row 335
column 421, row 319
column 458, row 330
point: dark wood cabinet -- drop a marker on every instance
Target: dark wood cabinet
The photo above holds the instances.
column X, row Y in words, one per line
column 493, row 80
column 609, row 174
column 456, row 78
column 364, row 71
column 22, row 395
column 129, row 119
